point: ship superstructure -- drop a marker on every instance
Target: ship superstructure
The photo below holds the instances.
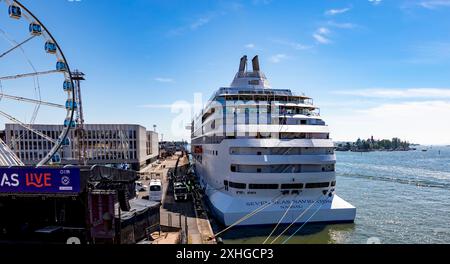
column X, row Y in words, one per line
column 256, row 148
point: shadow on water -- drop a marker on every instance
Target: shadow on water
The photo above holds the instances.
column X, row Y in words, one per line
column 313, row 233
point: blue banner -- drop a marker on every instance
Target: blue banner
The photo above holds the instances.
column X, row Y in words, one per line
column 39, row 180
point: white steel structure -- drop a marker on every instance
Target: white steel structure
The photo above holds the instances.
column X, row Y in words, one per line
column 26, row 88
column 264, row 156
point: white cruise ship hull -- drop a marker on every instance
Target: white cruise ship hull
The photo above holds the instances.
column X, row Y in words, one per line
column 229, row 209
column 266, row 150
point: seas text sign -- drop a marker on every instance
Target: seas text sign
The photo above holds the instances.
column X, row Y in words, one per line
column 39, row 180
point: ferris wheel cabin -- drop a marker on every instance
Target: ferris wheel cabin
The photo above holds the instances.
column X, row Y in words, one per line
column 70, row 123
column 65, row 141
column 68, row 87
column 61, row 66
column 50, row 47
column 15, row 12
column 56, row 159
column 35, row 29
column 71, row 105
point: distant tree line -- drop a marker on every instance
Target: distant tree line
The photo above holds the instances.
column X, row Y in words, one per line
column 370, row 144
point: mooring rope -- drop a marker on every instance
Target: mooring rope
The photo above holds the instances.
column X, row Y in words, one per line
column 279, row 222
column 247, row 216
column 296, row 231
column 296, row 219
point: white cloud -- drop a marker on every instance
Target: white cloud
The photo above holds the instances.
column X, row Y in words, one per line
column 433, row 4
column 164, row 80
column 375, row 2
column 321, row 39
column 278, row 58
column 250, row 46
column 426, row 93
column 341, row 25
column 320, row 35
column 294, row 45
column 323, row 30
column 333, row 12
column 195, row 24
column 418, row 122
column 200, row 22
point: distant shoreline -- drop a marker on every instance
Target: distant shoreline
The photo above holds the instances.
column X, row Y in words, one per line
column 374, row 150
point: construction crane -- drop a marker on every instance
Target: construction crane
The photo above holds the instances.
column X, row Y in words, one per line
column 80, row 132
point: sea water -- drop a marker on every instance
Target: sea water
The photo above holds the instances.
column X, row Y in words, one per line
column 401, row 197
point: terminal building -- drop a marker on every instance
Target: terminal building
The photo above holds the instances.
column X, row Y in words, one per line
column 104, row 144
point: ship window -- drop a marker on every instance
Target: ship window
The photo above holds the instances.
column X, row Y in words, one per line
column 292, row 186
column 333, row 183
column 303, row 122
column 258, row 170
column 317, row 185
column 263, row 186
column 233, row 168
column 237, row 185
column 259, row 153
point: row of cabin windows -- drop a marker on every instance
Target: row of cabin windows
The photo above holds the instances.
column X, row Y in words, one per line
column 286, row 186
column 280, row 151
column 263, row 120
column 231, row 109
column 217, row 139
column 283, row 168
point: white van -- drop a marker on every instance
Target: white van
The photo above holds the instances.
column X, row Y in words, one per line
column 155, row 190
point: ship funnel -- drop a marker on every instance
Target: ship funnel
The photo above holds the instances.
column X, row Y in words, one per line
column 243, row 64
column 255, row 63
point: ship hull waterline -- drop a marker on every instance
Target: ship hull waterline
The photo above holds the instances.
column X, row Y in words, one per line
column 229, row 210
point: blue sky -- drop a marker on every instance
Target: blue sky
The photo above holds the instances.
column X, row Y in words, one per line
column 375, row 67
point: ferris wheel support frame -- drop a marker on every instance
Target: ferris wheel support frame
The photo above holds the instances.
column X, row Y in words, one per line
column 65, row 133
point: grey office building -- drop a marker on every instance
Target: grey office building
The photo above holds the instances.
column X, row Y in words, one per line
column 104, row 144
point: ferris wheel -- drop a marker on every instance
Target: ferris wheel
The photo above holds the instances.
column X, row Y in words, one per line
column 30, row 92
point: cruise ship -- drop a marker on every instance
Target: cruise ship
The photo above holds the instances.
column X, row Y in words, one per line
column 264, row 156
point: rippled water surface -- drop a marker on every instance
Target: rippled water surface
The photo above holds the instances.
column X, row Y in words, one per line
column 401, row 197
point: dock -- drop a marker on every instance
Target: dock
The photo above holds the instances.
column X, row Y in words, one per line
column 189, row 216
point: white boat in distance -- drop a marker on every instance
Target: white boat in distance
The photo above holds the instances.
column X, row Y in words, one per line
column 264, row 156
